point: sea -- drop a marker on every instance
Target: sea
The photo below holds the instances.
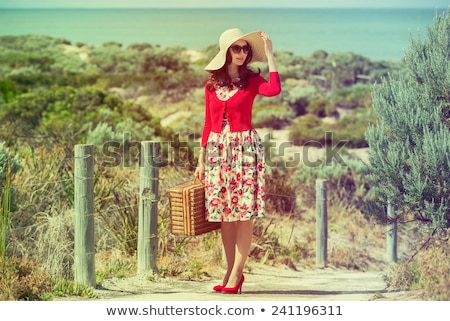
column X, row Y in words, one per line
column 379, row 34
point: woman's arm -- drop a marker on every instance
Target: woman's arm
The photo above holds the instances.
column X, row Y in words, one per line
column 273, row 86
column 269, row 52
column 200, row 170
column 207, row 123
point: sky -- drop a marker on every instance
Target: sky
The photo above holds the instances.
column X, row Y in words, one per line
column 222, row 4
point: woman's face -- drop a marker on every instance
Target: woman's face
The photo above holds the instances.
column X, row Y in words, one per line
column 239, row 51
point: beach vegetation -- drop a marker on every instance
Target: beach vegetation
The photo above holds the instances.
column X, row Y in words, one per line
column 54, row 95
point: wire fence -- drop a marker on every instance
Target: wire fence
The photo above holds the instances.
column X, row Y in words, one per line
column 104, row 206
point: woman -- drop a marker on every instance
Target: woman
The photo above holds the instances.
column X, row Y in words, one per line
column 231, row 160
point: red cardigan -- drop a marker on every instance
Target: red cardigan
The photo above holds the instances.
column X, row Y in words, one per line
column 238, row 107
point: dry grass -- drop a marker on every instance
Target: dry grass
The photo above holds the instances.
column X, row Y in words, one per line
column 427, row 271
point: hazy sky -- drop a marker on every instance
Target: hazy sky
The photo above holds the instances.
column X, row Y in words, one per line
column 216, row 4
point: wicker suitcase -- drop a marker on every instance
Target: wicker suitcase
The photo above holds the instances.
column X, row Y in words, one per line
column 187, row 210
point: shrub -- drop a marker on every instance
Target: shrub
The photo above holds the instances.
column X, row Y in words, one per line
column 358, row 95
column 273, row 116
column 305, row 129
column 8, row 91
column 320, row 107
column 345, row 180
column 280, row 193
column 426, row 271
column 299, row 98
column 23, row 279
column 410, row 143
column 351, row 127
column 433, row 265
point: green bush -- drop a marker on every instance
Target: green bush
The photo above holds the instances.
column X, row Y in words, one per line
column 280, row 192
column 351, row 127
column 321, row 107
column 410, row 143
column 8, row 91
column 63, row 109
column 306, row 129
column 101, row 134
column 39, row 61
column 358, row 95
column 348, row 130
column 275, row 116
column 345, row 179
column 299, row 98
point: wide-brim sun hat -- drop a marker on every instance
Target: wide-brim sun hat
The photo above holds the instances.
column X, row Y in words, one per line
column 230, row 36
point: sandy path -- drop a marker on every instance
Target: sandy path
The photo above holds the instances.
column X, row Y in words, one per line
column 263, row 283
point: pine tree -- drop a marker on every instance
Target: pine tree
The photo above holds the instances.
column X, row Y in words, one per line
column 409, row 154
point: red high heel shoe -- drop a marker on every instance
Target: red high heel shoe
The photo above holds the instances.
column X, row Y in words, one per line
column 234, row 290
column 218, row 288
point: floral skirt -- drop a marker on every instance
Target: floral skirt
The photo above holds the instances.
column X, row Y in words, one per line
column 234, row 176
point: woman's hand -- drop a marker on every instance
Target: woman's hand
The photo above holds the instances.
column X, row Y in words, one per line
column 267, row 44
column 200, row 172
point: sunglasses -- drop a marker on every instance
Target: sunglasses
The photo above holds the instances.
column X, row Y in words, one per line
column 237, row 49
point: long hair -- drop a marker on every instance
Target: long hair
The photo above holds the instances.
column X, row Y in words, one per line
column 220, row 76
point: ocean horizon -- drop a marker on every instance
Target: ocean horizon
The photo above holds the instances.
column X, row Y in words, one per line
column 379, row 34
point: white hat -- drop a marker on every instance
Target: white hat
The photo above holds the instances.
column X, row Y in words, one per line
column 230, row 36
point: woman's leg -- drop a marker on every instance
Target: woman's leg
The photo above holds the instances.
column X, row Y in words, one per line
column 243, row 241
column 229, row 233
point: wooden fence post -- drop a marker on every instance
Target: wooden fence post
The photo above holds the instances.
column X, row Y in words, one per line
column 148, row 207
column 84, row 259
column 391, row 234
column 321, row 223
